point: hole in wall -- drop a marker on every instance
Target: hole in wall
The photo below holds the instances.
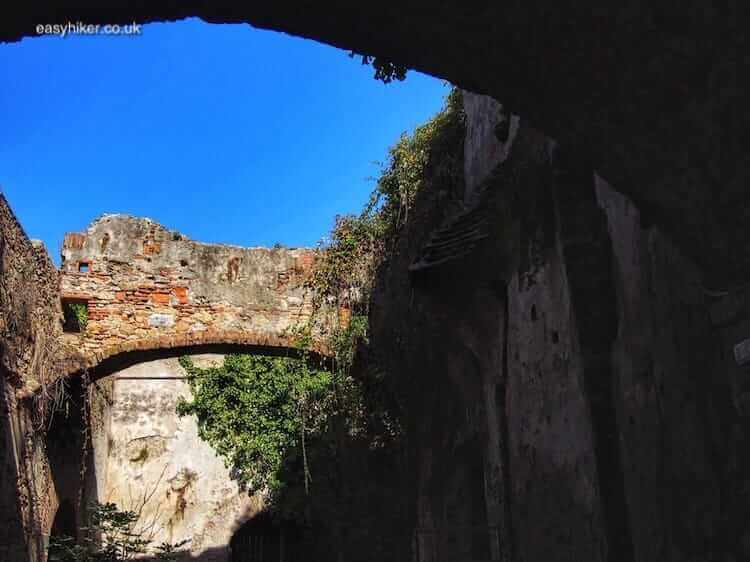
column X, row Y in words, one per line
column 83, row 267
column 75, row 315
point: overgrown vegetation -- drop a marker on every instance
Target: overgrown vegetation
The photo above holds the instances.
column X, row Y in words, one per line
column 295, row 430
column 111, row 537
column 76, row 316
column 258, row 413
column 360, row 244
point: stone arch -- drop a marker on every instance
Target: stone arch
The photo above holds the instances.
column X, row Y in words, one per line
column 103, row 369
column 130, row 352
column 146, row 458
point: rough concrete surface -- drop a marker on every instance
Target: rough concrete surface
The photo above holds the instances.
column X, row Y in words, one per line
column 158, row 466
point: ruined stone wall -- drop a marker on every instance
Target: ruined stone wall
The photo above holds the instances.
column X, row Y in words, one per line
column 30, row 326
column 147, row 287
column 29, row 305
column 570, row 388
column 575, row 362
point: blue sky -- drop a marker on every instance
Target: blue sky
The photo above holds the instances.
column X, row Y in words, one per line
column 226, row 133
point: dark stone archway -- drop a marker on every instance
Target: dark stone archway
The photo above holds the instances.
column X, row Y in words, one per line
column 150, row 350
column 651, row 92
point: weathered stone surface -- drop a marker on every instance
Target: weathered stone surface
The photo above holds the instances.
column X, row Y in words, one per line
column 30, row 326
column 553, row 471
column 147, row 287
column 157, row 465
column 596, row 360
column 490, row 132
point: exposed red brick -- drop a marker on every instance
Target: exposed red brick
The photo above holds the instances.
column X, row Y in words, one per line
column 160, row 298
column 252, row 307
column 181, row 293
column 151, row 248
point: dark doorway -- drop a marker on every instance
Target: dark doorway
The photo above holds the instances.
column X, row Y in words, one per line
column 264, row 539
column 64, row 524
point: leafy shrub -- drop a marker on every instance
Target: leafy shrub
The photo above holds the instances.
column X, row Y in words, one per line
column 111, row 537
column 257, row 412
column 76, row 316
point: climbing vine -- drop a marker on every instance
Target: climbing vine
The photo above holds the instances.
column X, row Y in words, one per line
column 359, row 244
column 287, row 426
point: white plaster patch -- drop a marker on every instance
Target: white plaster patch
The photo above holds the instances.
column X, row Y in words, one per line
column 161, row 320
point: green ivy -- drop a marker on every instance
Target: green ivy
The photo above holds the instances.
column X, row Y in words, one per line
column 257, row 412
column 78, row 312
column 359, row 244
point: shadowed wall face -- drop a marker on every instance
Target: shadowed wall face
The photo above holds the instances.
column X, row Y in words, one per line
column 29, row 330
column 594, row 371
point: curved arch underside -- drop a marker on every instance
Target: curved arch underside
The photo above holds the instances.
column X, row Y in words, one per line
column 650, row 92
column 118, row 357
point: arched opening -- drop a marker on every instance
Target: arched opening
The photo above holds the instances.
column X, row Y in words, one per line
column 152, row 351
column 64, row 524
column 146, row 458
column 263, row 539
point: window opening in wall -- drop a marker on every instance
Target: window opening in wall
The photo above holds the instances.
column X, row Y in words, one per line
column 76, row 315
column 83, row 267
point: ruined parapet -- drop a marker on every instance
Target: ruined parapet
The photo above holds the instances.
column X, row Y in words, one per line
column 146, row 287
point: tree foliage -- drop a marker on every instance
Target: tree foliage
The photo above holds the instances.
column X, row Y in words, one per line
column 257, row 412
